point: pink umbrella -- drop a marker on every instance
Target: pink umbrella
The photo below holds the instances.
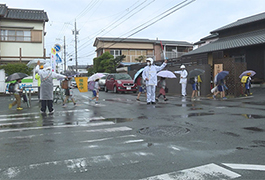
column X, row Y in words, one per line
column 166, row 74
column 96, row 76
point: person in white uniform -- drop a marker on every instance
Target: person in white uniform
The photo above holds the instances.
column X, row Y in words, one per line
column 183, row 79
column 150, row 77
column 46, row 87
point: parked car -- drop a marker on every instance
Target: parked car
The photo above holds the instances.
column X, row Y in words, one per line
column 102, row 81
column 120, row 82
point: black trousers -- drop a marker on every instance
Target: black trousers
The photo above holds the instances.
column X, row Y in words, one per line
column 45, row 103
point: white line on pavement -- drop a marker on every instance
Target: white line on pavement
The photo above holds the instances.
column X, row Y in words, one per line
column 209, row 171
column 246, row 166
column 78, row 164
column 37, row 113
column 19, row 118
column 104, row 139
column 63, row 126
column 133, row 141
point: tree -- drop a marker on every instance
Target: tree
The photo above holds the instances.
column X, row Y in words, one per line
column 140, row 58
column 11, row 68
column 107, row 63
column 90, row 71
column 99, row 62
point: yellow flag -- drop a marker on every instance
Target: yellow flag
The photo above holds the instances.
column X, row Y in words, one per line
column 199, row 79
column 81, row 83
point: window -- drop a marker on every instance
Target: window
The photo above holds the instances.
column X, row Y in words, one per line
column 15, row 35
column 115, row 53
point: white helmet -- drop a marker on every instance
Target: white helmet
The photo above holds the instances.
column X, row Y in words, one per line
column 182, row 67
column 150, row 59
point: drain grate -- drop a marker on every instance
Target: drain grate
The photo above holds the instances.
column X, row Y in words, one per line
column 164, row 131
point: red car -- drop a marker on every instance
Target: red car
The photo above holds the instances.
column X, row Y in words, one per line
column 120, row 82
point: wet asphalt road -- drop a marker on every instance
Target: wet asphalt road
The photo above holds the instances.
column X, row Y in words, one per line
column 121, row 138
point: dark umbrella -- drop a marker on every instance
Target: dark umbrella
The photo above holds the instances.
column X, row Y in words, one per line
column 70, row 73
column 195, row 72
column 16, row 76
column 221, row 75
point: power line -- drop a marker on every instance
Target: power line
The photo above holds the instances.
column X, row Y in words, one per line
column 165, row 14
column 111, row 24
column 120, row 22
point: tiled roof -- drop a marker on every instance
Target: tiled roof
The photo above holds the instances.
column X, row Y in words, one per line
column 243, row 21
column 22, row 14
column 236, row 41
column 164, row 42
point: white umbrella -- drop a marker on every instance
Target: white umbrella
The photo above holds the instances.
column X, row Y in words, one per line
column 96, row 76
column 33, row 63
column 166, row 74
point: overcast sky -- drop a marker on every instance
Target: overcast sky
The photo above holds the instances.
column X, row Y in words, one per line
column 123, row 18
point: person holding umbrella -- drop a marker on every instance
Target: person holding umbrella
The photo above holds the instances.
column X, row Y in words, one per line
column 194, row 79
column 183, row 79
column 37, row 77
column 247, row 83
column 162, row 91
column 220, row 83
column 17, row 92
column 194, row 85
column 150, row 77
column 141, row 87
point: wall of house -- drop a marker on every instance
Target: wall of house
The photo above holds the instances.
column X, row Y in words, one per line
column 27, row 48
column 255, row 57
column 114, row 45
column 158, row 52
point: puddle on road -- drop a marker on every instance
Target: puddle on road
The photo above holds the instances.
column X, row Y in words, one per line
column 254, row 129
column 115, row 120
column 196, row 108
column 250, row 116
column 192, row 115
column 255, row 103
column 163, row 131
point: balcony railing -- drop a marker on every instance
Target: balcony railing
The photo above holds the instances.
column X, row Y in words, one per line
column 171, row 54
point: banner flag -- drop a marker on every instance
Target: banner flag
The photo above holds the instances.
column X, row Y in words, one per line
column 81, row 83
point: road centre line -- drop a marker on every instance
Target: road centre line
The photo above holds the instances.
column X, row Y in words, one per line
column 246, row 166
column 205, row 172
column 62, row 126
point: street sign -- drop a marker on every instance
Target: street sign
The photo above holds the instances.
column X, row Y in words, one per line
column 57, row 47
column 58, row 58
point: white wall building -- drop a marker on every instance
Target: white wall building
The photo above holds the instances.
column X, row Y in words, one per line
column 22, row 34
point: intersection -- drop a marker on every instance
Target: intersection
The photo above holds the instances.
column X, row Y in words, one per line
column 124, row 139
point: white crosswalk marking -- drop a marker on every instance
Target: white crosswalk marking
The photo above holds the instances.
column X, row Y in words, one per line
column 79, row 164
column 209, row 171
column 246, row 166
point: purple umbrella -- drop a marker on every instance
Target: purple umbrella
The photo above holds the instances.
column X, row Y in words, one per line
column 246, row 72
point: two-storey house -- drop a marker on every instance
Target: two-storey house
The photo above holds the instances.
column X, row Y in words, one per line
column 22, row 34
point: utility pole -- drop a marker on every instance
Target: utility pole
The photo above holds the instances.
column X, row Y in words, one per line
column 76, row 64
column 64, row 50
